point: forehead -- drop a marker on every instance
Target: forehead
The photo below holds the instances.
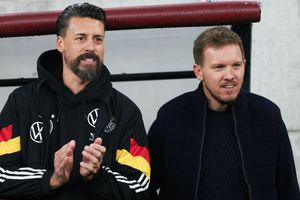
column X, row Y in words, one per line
column 228, row 51
column 85, row 25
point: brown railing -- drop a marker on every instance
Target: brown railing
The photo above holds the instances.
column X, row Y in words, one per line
column 239, row 14
column 159, row 16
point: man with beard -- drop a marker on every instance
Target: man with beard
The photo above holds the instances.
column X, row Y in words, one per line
column 70, row 135
column 220, row 142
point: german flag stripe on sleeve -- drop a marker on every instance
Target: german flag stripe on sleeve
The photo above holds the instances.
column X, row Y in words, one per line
column 137, row 158
column 7, row 144
column 137, row 150
column 11, row 146
column 6, row 133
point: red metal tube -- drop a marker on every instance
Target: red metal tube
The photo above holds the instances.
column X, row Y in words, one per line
column 158, row 16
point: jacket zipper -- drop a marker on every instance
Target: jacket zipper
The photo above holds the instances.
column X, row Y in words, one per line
column 242, row 156
column 201, row 149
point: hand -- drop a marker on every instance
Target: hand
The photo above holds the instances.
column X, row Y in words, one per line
column 63, row 163
column 92, row 156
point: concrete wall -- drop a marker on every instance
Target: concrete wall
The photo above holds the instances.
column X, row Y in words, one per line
column 275, row 58
column 276, row 63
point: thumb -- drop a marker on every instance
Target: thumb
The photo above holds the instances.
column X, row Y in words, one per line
column 98, row 140
column 72, row 144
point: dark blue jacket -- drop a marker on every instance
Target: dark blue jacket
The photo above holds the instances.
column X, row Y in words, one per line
column 176, row 142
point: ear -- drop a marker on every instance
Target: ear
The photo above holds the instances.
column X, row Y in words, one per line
column 60, row 43
column 198, row 71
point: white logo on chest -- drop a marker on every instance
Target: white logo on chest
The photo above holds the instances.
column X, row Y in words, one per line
column 36, row 132
column 93, row 116
column 37, row 128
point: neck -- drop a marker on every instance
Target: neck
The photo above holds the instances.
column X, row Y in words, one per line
column 217, row 107
column 73, row 82
column 213, row 101
column 214, row 104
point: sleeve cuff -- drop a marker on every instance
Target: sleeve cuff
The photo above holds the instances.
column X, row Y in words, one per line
column 45, row 187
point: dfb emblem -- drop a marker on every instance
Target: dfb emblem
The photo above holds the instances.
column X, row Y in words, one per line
column 111, row 125
column 93, row 116
column 36, row 132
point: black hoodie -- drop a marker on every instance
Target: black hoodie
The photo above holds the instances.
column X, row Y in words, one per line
column 39, row 118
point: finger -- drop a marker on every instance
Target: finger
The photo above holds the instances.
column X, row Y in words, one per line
column 89, row 168
column 88, row 157
column 96, row 150
column 64, row 151
column 93, row 154
column 59, row 158
column 98, row 147
column 61, row 167
column 70, row 146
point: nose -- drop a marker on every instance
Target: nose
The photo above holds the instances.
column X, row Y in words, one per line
column 90, row 46
column 229, row 73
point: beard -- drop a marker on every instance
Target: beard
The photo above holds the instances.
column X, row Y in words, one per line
column 87, row 72
column 217, row 98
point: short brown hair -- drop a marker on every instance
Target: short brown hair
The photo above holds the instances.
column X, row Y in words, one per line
column 216, row 37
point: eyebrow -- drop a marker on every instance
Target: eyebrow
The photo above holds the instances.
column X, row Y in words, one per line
column 238, row 62
column 221, row 64
column 217, row 64
column 84, row 34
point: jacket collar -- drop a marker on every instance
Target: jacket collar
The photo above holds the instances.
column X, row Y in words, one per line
column 239, row 106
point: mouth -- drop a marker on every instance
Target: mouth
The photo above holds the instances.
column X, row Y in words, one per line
column 229, row 88
column 88, row 61
column 228, row 85
column 88, row 58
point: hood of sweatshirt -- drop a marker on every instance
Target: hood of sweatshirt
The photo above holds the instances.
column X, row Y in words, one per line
column 49, row 67
column 53, row 96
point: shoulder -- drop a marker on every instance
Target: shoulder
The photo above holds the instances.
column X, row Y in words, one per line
column 180, row 102
column 24, row 93
column 178, row 106
column 20, row 99
column 123, row 102
column 261, row 105
column 261, row 102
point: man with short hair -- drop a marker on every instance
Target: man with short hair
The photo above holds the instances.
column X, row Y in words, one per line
column 70, row 135
column 220, row 142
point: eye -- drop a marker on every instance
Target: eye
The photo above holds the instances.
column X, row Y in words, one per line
column 80, row 38
column 237, row 65
column 218, row 67
column 99, row 39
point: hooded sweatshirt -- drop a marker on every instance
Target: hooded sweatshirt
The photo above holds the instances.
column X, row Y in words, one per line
column 39, row 118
